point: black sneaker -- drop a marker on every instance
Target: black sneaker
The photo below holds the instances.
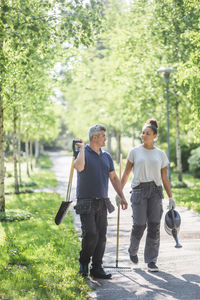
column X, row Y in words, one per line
column 83, row 270
column 152, row 267
column 134, row 259
column 99, row 273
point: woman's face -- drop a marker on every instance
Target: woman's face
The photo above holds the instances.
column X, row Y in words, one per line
column 148, row 136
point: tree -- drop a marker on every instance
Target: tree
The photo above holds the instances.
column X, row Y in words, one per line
column 31, row 39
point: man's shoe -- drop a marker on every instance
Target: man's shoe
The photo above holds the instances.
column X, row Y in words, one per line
column 83, row 270
column 99, row 273
column 152, row 267
column 134, row 259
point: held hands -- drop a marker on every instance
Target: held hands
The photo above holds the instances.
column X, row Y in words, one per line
column 118, row 199
column 121, row 201
column 172, row 203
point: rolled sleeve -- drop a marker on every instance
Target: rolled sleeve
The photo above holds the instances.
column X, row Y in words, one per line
column 165, row 160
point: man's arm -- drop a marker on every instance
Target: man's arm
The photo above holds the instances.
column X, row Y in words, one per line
column 117, row 186
column 79, row 163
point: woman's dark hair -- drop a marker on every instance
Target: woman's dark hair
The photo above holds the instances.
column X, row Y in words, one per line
column 153, row 124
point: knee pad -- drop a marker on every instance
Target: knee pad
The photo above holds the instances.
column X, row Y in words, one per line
column 91, row 234
column 153, row 230
column 138, row 230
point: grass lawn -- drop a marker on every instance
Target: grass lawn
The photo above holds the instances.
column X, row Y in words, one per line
column 40, row 176
column 190, row 196
column 39, row 260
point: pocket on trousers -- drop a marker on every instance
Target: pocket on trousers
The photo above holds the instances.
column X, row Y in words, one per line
column 83, row 206
column 160, row 191
column 137, row 195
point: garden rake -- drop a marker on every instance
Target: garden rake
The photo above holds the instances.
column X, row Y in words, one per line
column 117, row 268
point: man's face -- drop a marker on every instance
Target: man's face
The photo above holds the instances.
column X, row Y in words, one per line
column 101, row 139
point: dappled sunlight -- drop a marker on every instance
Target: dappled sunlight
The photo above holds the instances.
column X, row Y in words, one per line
column 2, row 234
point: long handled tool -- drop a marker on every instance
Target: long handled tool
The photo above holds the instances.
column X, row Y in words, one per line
column 118, row 215
column 125, row 269
column 64, row 207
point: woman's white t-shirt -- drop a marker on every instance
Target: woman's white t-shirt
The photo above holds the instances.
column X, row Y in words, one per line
column 147, row 165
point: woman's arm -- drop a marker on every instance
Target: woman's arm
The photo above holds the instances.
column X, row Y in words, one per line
column 165, row 181
column 117, row 186
column 125, row 176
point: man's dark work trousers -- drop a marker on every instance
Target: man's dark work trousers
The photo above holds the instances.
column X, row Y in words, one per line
column 94, row 228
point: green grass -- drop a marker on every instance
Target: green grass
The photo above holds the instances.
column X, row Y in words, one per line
column 14, row 215
column 190, row 196
column 39, row 260
column 40, row 176
column 44, row 162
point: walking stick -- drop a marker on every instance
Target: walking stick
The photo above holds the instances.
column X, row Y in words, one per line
column 64, row 207
column 117, row 268
column 118, row 214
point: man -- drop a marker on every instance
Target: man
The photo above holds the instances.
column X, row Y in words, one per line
column 94, row 169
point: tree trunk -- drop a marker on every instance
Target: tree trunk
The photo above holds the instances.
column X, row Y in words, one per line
column 2, row 172
column 19, row 153
column 118, row 150
column 178, row 147
column 15, row 150
column 109, row 137
column 41, row 149
column 27, row 156
column 31, row 154
column 37, row 151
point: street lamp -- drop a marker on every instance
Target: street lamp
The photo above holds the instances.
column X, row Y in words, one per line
column 167, row 71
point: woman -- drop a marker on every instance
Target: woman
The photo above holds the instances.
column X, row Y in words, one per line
column 149, row 165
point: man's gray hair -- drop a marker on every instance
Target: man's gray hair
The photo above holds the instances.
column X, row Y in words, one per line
column 95, row 130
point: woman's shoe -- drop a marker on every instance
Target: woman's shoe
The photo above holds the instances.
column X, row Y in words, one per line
column 134, row 259
column 152, row 267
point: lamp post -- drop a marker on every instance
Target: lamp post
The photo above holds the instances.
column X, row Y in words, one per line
column 167, row 71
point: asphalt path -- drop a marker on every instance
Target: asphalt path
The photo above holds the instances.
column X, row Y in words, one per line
column 179, row 276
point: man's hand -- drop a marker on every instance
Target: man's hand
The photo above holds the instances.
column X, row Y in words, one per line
column 79, row 163
column 172, row 203
column 80, row 144
column 124, row 204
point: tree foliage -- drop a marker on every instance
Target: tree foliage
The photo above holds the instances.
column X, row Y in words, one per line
column 34, row 35
column 115, row 82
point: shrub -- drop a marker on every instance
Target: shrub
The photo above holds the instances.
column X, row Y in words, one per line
column 194, row 162
column 185, row 154
column 14, row 215
column 179, row 184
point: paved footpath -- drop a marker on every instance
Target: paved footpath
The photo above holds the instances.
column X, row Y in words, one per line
column 179, row 276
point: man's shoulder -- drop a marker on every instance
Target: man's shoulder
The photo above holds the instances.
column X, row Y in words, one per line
column 88, row 149
column 106, row 154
